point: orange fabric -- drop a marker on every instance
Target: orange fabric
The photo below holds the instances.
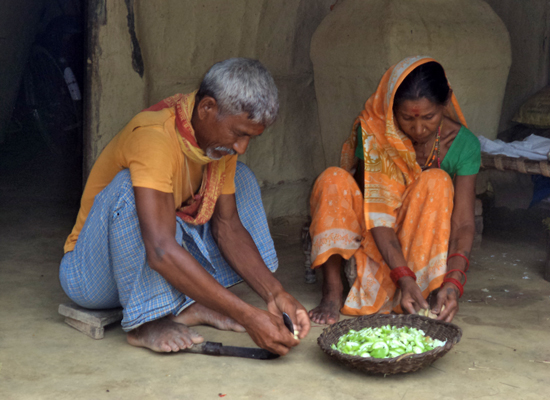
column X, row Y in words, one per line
column 159, row 158
column 422, row 226
column 390, row 160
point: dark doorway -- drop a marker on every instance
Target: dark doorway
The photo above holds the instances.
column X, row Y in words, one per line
column 41, row 146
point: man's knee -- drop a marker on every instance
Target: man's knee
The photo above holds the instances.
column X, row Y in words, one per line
column 245, row 179
column 244, row 171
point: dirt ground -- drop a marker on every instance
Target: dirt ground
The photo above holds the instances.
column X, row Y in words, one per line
column 504, row 314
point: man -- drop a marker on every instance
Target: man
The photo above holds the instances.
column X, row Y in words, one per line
column 159, row 230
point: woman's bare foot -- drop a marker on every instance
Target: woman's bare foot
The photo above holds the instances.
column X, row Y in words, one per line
column 163, row 335
column 328, row 311
column 197, row 314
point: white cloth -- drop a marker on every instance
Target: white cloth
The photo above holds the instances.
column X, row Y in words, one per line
column 532, row 147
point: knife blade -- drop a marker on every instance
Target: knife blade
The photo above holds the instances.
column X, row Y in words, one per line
column 218, row 349
column 288, row 322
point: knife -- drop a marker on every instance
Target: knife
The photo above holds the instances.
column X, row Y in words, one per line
column 288, row 322
column 218, row 349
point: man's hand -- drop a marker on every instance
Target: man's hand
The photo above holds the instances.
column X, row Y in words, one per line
column 448, row 297
column 239, row 250
column 284, row 302
column 269, row 332
column 411, row 296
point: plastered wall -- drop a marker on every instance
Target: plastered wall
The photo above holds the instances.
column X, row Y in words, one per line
column 143, row 51
column 528, row 22
column 361, row 39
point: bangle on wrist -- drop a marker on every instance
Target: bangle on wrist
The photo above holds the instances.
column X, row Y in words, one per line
column 462, row 256
column 456, row 283
column 400, row 272
column 458, row 270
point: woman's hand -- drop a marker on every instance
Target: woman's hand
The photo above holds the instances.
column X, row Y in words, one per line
column 448, row 297
column 411, row 296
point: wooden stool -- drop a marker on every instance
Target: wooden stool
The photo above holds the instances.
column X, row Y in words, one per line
column 89, row 322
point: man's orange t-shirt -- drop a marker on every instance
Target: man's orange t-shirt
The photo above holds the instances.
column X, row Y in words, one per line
column 148, row 146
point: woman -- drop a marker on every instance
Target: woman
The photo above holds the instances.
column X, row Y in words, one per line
column 406, row 216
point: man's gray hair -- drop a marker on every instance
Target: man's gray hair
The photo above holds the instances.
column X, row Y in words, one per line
column 242, row 85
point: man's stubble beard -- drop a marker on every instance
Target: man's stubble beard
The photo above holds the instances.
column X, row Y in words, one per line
column 210, row 152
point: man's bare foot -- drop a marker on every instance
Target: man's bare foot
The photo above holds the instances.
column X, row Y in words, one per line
column 197, row 314
column 163, row 335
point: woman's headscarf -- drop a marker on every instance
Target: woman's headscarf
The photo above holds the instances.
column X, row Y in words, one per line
column 390, row 159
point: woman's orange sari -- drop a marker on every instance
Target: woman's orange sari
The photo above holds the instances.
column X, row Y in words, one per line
column 418, row 205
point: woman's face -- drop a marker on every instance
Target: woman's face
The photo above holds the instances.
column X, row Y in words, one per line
column 419, row 119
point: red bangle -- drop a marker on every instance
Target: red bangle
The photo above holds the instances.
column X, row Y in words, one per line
column 400, row 272
column 462, row 272
column 456, row 283
column 460, row 255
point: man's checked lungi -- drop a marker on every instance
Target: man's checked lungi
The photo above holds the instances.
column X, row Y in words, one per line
column 108, row 267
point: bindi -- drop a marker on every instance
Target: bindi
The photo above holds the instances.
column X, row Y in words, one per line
column 416, row 111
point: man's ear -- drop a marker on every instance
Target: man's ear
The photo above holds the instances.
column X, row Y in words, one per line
column 207, row 107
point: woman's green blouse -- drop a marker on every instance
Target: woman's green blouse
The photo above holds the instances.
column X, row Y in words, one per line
column 463, row 157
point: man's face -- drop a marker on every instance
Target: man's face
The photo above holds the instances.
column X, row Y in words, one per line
column 223, row 135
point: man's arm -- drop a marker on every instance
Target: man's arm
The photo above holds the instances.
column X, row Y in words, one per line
column 157, row 219
column 240, row 251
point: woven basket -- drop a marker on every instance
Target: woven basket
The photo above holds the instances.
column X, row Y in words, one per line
column 398, row 365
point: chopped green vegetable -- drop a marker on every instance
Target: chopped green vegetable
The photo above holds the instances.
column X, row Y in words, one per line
column 385, row 342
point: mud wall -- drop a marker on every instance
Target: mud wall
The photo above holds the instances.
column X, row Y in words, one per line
column 361, row 39
column 529, row 25
column 143, row 51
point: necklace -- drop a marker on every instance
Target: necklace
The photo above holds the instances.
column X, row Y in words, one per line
column 434, row 153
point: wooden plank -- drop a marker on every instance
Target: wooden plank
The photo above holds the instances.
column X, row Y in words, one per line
column 521, row 165
column 91, row 331
column 94, row 318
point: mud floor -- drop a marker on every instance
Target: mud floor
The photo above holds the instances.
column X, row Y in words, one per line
column 504, row 314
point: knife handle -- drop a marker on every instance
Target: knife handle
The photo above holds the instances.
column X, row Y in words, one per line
column 211, row 348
